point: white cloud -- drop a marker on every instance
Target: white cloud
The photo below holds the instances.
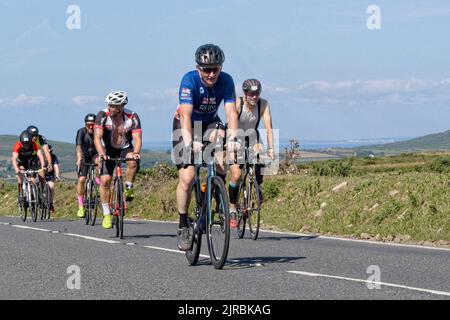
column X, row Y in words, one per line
column 22, row 100
column 364, row 92
column 82, row 101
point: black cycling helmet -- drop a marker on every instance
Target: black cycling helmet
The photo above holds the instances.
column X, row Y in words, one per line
column 252, row 85
column 90, row 117
column 33, row 130
column 209, row 55
column 25, row 138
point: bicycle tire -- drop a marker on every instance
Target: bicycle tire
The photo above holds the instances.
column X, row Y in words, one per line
column 218, row 254
column 23, row 209
column 254, row 211
column 193, row 254
column 122, row 208
column 241, row 211
column 34, row 202
column 94, row 205
column 87, row 200
column 47, row 202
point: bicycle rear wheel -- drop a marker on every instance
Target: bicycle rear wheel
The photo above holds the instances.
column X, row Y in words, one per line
column 254, row 208
column 196, row 228
column 218, row 223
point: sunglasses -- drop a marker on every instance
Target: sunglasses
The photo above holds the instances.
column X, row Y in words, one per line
column 208, row 70
column 90, row 125
column 252, row 93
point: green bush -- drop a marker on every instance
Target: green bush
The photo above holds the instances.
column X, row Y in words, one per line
column 440, row 165
column 271, row 189
column 333, row 168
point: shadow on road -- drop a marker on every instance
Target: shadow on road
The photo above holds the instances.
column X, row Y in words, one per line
column 264, row 238
column 255, row 262
column 147, row 236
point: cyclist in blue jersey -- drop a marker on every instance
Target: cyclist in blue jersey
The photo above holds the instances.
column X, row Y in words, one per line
column 200, row 94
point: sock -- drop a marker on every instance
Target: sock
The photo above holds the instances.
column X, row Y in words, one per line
column 106, row 211
column 183, row 220
column 97, row 180
column 80, row 201
column 233, row 190
column 128, row 185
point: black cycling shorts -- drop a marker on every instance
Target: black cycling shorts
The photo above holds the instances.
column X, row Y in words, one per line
column 107, row 167
column 177, row 144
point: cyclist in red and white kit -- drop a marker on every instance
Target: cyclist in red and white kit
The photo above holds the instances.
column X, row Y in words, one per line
column 25, row 154
column 117, row 128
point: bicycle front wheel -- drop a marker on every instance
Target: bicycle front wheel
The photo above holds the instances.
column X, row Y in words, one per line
column 218, row 223
column 87, row 202
column 254, row 208
column 196, row 224
column 119, row 208
column 94, row 204
column 34, row 202
column 46, row 202
column 23, row 205
column 241, row 211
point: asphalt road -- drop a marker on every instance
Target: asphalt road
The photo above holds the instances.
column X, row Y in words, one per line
column 147, row 265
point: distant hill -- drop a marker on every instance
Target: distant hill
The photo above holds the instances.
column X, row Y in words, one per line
column 431, row 142
column 66, row 154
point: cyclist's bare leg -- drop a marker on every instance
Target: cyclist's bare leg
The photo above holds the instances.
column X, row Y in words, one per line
column 20, row 179
column 81, row 185
column 186, row 177
column 104, row 188
column 131, row 169
column 234, row 181
column 51, row 186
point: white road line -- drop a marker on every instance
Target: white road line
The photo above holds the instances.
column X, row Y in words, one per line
column 173, row 251
column 310, row 274
column 30, row 228
column 91, row 238
column 5, row 223
column 356, row 240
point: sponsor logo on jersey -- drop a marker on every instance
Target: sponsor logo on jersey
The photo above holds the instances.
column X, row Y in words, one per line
column 185, row 93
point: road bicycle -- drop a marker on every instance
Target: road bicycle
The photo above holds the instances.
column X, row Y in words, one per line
column 249, row 200
column 210, row 215
column 117, row 199
column 30, row 196
column 91, row 195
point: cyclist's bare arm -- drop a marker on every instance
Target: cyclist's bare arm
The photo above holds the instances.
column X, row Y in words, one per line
column 137, row 139
column 185, row 112
column 267, row 117
column 98, row 136
column 57, row 170
column 14, row 158
column 79, row 155
column 41, row 158
column 232, row 120
column 47, row 154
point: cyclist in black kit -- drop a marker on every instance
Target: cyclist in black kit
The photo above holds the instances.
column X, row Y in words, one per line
column 86, row 153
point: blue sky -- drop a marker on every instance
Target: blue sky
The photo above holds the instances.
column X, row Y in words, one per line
column 326, row 75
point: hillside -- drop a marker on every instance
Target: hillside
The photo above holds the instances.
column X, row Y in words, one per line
column 431, row 142
column 66, row 155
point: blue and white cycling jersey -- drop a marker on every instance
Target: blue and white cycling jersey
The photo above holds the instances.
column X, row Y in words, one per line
column 206, row 100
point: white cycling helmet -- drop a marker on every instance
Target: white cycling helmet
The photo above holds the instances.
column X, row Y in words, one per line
column 117, row 98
